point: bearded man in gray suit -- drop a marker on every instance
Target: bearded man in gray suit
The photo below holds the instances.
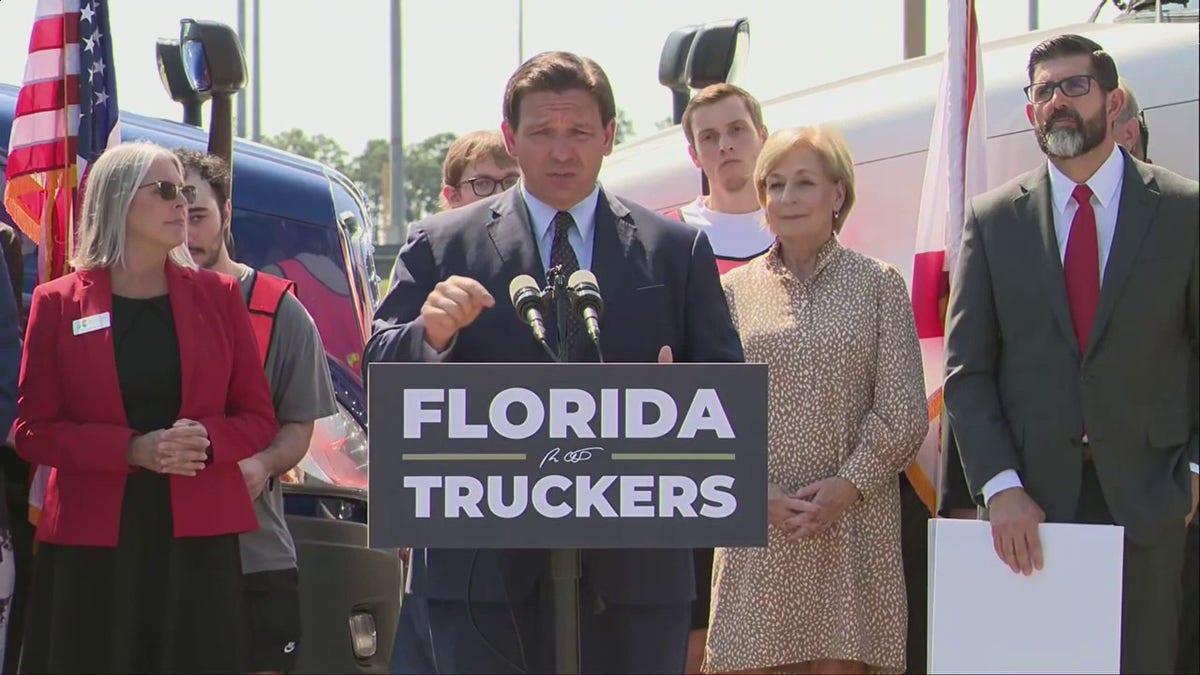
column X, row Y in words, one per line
column 1072, row 332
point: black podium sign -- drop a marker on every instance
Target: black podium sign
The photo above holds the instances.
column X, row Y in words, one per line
column 567, row 455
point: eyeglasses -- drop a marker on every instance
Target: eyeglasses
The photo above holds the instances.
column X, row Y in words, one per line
column 486, row 187
column 170, row 191
column 1077, row 85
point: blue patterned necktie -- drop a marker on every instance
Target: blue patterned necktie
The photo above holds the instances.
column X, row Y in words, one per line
column 561, row 254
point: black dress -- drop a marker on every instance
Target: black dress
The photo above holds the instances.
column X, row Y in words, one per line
column 155, row 603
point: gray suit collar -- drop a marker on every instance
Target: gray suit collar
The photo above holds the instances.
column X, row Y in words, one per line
column 1033, row 205
column 1139, row 199
column 1135, row 217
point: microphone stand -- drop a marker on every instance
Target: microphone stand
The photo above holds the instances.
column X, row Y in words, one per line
column 564, row 562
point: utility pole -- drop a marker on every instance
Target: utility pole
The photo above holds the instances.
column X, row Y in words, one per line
column 520, row 32
column 385, row 214
column 256, row 76
column 399, row 203
column 1033, row 15
column 914, row 28
column 241, row 95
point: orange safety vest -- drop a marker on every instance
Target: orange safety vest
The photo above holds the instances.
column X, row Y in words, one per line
column 266, row 295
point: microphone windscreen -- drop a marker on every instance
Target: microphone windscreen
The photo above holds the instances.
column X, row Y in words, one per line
column 519, row 284
column 580, row 277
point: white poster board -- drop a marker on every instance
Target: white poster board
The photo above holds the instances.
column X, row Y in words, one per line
column 1066, row 618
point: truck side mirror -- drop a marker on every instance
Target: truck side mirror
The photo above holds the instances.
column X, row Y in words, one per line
column 215, row 64
column 175, row 80
column 672, row 68
column 719, row 52
column 212, row 57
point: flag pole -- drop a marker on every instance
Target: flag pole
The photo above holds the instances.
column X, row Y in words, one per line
column 67, row 176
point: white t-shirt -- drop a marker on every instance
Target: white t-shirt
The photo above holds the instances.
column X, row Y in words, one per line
column 734, row 236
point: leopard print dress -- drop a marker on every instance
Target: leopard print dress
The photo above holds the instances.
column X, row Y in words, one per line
column 847, row 398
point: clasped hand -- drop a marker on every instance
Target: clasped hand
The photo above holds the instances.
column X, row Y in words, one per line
column 181, row 450
column 812, row 509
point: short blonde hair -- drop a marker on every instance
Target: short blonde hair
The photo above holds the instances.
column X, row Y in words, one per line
column 830, row 147
column 112, row 182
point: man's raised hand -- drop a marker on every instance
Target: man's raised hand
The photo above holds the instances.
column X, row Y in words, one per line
column 453, row 305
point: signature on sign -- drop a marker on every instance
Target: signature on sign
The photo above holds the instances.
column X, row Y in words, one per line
column 569, row 457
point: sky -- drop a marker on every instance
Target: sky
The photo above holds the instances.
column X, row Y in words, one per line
column 328, row 71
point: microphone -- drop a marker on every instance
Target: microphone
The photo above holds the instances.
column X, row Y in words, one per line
column 585, row 297
column 527, row 300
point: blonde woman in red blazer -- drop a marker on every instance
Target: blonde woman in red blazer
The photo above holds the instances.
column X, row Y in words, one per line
column 141, row 389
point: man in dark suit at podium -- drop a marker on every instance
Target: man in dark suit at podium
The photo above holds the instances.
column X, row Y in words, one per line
column 449, row 303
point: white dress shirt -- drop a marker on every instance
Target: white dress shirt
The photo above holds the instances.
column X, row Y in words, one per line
column 1106, row 186
column 581, row 237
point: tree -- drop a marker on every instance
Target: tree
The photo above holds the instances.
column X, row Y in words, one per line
column 367, row 172
column 665, row 123
column 423, row 173
column 422, row 167
column 625, row 130
column 319, row 147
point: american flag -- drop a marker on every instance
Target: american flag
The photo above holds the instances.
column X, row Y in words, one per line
column 955, row 171
column 66, row 116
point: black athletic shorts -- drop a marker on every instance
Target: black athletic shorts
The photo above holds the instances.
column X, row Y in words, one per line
column 273, row 613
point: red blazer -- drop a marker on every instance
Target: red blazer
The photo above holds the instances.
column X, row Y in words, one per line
column 70, row 415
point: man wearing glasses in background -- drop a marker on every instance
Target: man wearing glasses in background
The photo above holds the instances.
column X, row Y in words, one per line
column 477, row 166
column 1072, row 336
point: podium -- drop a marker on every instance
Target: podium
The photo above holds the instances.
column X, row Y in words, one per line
column 567, row 457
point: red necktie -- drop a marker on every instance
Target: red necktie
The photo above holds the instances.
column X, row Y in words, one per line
column 1082, row 267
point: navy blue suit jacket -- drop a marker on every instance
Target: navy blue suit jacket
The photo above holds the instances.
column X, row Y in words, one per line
column 660, row 285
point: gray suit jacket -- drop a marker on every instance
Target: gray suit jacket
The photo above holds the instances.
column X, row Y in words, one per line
column 1018, row 392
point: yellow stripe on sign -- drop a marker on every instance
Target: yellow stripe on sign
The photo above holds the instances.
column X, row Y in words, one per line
column 675, row 456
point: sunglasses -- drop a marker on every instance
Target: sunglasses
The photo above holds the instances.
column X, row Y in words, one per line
column 170, row 191
column 486, row 187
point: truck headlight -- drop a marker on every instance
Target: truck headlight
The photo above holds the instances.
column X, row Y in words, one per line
column 337, row 453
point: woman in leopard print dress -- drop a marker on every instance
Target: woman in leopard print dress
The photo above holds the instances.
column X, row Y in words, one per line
column 847, row 413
